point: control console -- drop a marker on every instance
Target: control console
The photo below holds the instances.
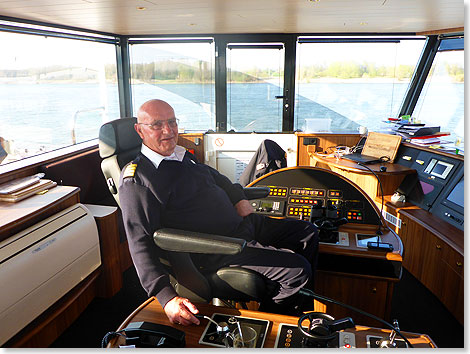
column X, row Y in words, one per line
column 310, row 193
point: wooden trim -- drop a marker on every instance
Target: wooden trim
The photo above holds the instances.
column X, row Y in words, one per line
column 19, row 216
column 441, row 31
column 136, row 311
column 151, row 310
column 111, row 275
column 443, row 230
column 30, row 165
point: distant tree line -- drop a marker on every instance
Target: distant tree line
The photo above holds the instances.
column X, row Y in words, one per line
column 200, row 71
column 168, row 70
column 34, row 72
column 456, row 71
column 353, row 70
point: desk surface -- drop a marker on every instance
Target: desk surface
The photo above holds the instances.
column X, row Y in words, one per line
column 392, row 168
column 355, row 251
column 14, row 216
column 151, row 311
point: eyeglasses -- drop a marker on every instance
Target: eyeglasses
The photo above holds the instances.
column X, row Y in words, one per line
column 158, row 124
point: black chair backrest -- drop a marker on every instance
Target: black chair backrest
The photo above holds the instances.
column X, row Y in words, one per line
column 119, row 143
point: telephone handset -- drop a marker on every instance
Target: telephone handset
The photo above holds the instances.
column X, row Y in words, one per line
column 151, row 335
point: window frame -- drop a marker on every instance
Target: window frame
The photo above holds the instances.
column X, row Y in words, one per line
column 121, row 43
column 369, row 38
column 151, row 39
column 38, row 28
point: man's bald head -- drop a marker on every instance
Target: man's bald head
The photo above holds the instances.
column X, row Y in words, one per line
column 162, row 140
column 152, row 110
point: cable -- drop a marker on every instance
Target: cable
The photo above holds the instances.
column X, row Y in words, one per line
column 308, row 292
column 379, row 231
column 110, row 335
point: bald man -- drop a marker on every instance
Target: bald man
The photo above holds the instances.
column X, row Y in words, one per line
column 165, row 186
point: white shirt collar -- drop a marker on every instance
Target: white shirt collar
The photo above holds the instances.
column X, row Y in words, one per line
column 156, row 158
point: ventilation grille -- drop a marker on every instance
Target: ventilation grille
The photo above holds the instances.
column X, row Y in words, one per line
column 392, row 219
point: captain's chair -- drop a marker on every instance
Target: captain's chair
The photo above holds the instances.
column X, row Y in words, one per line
column 119, row 143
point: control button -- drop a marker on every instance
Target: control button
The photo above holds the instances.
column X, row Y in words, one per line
column 347, row 340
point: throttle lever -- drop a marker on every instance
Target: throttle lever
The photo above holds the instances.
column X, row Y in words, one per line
column 342, row 323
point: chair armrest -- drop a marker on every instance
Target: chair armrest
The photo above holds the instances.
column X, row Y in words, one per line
column 197, row 242
column 256, row 192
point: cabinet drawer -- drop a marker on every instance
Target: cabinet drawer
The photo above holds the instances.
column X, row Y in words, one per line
column 454, row 259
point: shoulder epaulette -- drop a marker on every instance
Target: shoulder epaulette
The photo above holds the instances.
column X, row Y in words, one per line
column 130, row 170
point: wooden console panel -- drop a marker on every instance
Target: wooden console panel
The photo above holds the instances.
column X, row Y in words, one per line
column 434, row 253
column 151, row 311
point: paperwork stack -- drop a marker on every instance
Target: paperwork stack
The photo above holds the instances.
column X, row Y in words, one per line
column 22, row 188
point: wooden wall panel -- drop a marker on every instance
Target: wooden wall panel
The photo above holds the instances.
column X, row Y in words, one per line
column 324, row 141
column 371, row 294
column 433, row 253
column 193, row 141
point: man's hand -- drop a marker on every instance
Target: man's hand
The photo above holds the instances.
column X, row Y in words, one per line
column 180, row 310
column 244, row 208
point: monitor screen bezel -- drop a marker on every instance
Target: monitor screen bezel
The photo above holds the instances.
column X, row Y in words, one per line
column 447, row 168
column 450, row 204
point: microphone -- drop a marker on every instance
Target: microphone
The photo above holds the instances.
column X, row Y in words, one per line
column 378, row 245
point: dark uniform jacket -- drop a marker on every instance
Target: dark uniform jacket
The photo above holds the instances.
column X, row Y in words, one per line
column 184, row 195
column 269, row 157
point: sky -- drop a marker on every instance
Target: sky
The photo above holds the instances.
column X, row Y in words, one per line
column 35, row 51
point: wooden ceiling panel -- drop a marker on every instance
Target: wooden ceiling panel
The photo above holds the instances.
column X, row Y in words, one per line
column 242, row 16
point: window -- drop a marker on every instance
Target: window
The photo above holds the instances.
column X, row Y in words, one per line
column 54, row 92
column 180, row 72
column 353, row 81
column 441, row 102
column 255, row 80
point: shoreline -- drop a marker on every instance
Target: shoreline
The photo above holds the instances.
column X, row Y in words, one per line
column 10, row 81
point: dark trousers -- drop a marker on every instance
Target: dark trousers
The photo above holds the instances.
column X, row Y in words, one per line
column 283, row 250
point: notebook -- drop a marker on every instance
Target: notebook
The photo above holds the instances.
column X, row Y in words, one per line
column 378, row 148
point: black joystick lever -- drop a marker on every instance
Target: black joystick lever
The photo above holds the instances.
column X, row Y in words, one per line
column 338, row 325
column 322, row 328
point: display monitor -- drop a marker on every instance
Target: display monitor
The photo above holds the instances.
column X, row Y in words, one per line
column 455, row 199
column 439, row 168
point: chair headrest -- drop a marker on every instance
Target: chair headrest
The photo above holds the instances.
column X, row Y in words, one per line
column 118, row 136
